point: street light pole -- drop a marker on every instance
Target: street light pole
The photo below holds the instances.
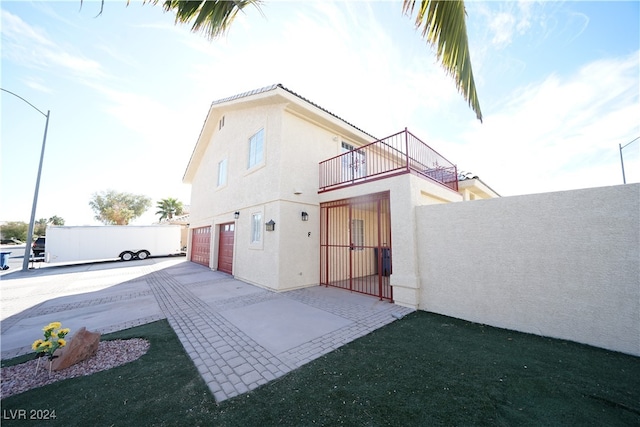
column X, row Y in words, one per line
column 25, row 261
column 27, row 249
column 624, row 180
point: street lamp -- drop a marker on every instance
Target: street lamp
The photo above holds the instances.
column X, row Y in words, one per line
column 624, row 180
column 27, row 249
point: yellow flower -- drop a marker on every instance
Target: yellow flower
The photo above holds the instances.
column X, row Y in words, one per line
column 36, row 344
column 62, row 342
column 46, row 344
column 63, row 332
column 55, row 325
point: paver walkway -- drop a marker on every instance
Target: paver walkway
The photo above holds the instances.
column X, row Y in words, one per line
column 239, row 336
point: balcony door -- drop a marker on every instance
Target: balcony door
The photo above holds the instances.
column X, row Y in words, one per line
column 353, row 164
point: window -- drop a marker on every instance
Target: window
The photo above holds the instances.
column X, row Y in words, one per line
column 256, row 227
column 353, row 164
column 221, row 123
column 256, row 149
column 222, row 172
column 357, row 234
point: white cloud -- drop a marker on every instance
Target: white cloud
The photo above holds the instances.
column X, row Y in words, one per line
column 16, row 29
column 503, row 25
column 560, row 133
column 34, row 48
column 75, row 63
column 37, row 84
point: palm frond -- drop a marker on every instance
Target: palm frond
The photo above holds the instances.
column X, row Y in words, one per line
column 443, row 25
column 212, row 17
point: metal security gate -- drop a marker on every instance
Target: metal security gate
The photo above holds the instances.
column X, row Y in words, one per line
column 225, row 248
column 201, row 245
column 355, row 245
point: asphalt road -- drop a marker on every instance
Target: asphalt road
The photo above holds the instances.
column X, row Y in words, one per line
column 16, row 256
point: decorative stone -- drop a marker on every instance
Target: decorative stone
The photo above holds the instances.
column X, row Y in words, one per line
column 82, row 346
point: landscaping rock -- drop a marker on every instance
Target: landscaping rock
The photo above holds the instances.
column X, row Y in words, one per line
column 82, row 346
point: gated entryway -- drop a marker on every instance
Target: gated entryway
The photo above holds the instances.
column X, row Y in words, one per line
column 201, row 245
column 355, row 245
column 225, row 248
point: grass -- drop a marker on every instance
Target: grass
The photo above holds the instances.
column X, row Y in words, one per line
column 425, row 369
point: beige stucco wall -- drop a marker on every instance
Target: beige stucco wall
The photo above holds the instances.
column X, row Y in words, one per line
column 284, row 186
column 564, row 265
column 297, row 137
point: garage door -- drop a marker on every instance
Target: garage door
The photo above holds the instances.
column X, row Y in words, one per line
column 201, row 245
column 225, row 249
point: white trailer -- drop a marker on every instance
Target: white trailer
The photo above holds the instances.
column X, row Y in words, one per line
column 127, row 242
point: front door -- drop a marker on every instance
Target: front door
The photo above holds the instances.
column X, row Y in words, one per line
column 225, row 248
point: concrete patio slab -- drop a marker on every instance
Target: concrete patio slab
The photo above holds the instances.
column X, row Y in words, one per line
column 282, row 324
column 222, row 290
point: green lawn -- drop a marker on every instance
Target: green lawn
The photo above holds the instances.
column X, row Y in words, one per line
column 425, row 369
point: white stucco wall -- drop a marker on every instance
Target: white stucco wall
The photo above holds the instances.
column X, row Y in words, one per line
column 564, row 265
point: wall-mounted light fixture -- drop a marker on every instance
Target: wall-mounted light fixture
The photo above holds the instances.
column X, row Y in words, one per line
column 270, row 225
column 305, row 216
column 236, row 214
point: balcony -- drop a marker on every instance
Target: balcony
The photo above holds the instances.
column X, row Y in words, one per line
column 397, row 154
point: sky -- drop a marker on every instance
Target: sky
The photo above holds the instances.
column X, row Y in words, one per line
column 128, row 92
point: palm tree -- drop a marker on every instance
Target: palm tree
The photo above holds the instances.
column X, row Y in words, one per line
column 442, row 23
column 56, row 220
column 169, row 207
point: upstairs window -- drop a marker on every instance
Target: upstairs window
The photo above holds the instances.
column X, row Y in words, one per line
column 222, row 172
column 256, row 149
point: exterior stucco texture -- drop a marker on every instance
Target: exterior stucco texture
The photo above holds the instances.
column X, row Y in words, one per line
column 563, row 265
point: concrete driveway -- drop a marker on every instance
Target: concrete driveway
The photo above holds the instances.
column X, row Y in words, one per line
column 239, row 336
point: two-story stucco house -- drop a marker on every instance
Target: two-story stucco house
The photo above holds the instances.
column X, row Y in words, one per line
column 286, row 195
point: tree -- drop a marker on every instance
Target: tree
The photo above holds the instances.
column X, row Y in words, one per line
column 40, row 227
column 113, row 208
column 442, row 23
column 169, row 207
column 14, row 230
column 56, row 220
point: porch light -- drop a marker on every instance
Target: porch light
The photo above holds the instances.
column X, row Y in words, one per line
column 270, row 225
column 305, row 216
column 236, row 215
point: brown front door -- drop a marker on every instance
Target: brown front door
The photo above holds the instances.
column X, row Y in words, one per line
column 201, row 245
column 225, row 248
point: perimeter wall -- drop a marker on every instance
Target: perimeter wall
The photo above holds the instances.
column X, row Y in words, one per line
column 563, row 264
